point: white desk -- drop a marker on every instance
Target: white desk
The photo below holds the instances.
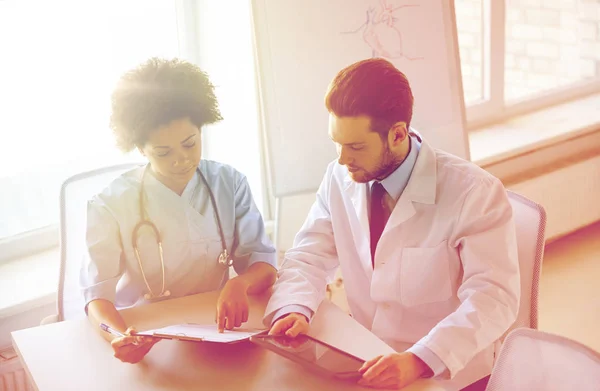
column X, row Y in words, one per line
column 72, row 356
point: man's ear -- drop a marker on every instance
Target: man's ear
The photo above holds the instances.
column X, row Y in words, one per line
column 141, row 150
column 398, row 133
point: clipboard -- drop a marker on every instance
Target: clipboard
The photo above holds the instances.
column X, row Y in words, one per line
column 202, row 333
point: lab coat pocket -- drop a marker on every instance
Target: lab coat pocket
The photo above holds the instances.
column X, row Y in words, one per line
column 425, row 275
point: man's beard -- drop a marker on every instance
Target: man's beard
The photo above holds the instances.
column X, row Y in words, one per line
column 389, row 163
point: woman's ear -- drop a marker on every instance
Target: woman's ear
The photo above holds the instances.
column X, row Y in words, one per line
column 141, row 150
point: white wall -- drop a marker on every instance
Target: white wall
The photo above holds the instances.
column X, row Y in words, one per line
column 293, row 212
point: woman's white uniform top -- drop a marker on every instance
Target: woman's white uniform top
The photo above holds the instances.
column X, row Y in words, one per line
column 189, row 230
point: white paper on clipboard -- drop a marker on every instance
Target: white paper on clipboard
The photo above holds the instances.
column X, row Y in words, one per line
column 206, row 333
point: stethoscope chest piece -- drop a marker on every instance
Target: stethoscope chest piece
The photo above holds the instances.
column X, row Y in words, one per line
column 224, row 259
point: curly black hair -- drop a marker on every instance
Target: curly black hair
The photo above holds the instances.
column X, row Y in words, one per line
column 156, row 93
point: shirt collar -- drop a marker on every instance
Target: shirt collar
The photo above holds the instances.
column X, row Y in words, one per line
column 396, row 182
column 188, row 192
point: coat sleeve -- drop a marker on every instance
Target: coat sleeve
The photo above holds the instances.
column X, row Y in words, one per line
column 311, row 262
column 490, row 288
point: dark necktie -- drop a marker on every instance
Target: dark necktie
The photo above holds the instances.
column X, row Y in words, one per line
column 378, row 216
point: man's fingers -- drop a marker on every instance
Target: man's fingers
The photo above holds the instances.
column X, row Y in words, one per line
column 375, row 370
column 385, row 379
column 245, row 315
column 369, row 364
column 296, row 343
column 281, row 325
column 296, row 328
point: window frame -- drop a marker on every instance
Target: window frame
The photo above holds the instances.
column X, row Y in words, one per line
column 493, row 109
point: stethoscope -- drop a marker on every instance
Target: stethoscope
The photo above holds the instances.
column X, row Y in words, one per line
column 224, row 260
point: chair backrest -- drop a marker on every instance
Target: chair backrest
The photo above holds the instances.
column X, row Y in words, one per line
column 534, row 360
column 74, row 195
column 530, row 223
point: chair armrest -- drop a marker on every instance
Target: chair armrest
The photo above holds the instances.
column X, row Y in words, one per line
column 49, row 319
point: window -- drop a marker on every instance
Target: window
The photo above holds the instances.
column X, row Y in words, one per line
column 469, row 19
column 227, row 55
column 523, row 55
column 60, row 60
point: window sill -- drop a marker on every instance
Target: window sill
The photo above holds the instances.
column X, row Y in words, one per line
column 523, row 134
column 28, row 282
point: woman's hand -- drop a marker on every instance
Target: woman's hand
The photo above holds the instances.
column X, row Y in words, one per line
column 232, row 305
column 131, row 348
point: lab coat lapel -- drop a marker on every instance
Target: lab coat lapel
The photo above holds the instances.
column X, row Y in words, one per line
column 358, row 195
column 421, row 188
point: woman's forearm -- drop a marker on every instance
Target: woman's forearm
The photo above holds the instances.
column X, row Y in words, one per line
column 103, row 311
column 258, row 277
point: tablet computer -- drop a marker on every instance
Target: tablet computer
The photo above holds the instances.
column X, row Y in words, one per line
column 313, row 354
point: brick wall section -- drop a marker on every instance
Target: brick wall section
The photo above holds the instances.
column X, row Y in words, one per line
column 549, row 43
column 470, row 39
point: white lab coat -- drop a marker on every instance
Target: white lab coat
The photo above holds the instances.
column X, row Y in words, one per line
column 446, row 273
column 189, row 230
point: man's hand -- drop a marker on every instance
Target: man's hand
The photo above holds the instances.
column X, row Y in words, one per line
column 291, row 325
column 132, row 349
column 232, row 305
column 393, row 371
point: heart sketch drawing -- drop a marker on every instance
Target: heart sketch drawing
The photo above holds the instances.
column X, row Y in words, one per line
column 381, row 31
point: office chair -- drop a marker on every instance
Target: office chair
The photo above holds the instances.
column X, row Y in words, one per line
column 535, row 360
column 74, row 195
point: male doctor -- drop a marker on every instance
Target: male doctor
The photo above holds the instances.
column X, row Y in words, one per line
column 425, row 241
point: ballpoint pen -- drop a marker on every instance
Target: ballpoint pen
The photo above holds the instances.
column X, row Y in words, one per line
column 112, row 331
column 117, row 333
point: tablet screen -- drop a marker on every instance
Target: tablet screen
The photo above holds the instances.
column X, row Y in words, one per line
column 312, row 352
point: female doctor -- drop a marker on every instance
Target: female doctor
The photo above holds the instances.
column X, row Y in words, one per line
column 174, row 226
